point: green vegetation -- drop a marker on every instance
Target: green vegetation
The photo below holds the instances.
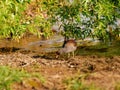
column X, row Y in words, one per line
column 79, row 18
column 16, row 19
column 100, row 49
column 77, row 83
column 9, row 76
column 117, row 87
column 85, row 18
column 10, row 18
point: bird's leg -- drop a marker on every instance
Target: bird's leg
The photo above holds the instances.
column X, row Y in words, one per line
column 56, row 56
column 73, row 54
column 68, row 55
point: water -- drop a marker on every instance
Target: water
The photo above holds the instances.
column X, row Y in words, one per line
column 34, row 43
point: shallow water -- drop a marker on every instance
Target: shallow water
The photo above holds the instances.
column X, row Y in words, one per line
column 33, row 43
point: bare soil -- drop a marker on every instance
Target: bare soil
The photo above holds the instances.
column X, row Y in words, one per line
column 104, row 72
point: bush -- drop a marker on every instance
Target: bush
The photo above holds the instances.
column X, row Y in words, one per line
column 85, row 18
column 16, row 19
column 11, row 18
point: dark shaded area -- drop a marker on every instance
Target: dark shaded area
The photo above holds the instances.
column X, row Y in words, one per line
column 8, row 49
column 90, row 49
column 48, row 56
column 97, row 49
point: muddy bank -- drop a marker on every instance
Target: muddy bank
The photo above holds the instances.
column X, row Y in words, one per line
column 104, row 72
column 90, row 64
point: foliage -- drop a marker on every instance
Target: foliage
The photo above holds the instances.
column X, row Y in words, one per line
column 10, row 17
column 79, row 18
column 9, row 76
column 77, row 83
column 36, row 20
column 83, row 18
column 17, row 17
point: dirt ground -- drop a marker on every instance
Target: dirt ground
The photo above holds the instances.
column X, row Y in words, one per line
column 104, row 72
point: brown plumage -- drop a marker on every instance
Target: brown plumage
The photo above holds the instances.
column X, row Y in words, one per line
column 69, row 45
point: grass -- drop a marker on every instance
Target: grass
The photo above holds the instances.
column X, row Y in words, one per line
column 117, row 86
column 9, row 76
column 77, row 83
column 100, row 49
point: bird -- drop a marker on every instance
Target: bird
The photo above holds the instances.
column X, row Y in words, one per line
column 69, row 45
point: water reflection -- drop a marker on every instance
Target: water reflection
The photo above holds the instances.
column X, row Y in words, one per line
column 50, row 45
column 56, row 42
column 33, row 43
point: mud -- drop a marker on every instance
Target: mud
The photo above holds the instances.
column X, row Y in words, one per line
column 103, row 72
